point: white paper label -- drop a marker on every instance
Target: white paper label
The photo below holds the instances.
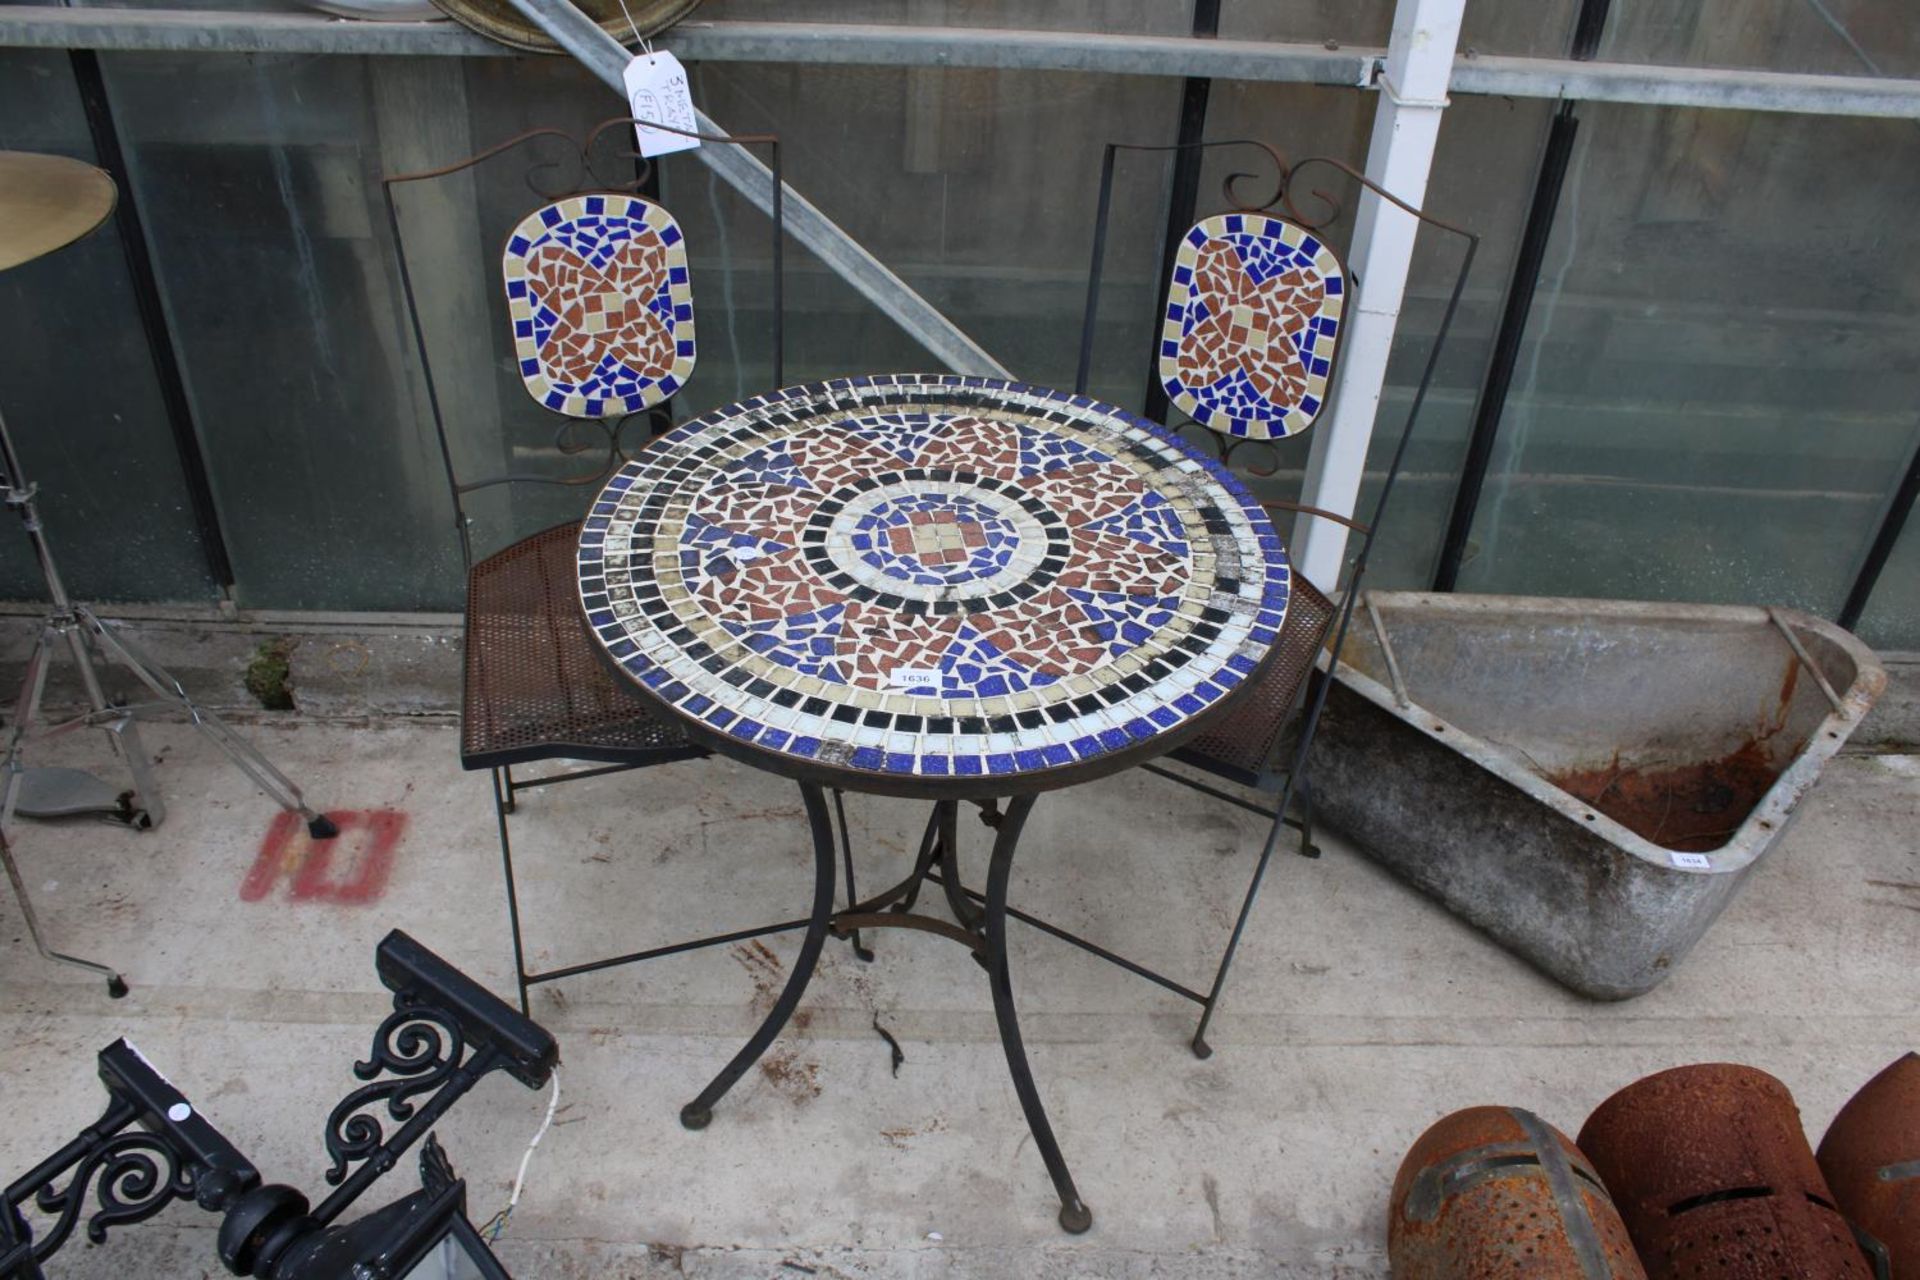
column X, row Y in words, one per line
column 1693, row 861
column 915, row 678
column 657, row 91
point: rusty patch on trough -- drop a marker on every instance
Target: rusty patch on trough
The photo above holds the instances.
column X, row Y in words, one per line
column 1871, row 1159
column 1690, row 807
column 1496, row 1193
column 1714, row 1178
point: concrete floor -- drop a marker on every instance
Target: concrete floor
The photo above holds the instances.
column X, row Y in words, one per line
column 1360, row 1013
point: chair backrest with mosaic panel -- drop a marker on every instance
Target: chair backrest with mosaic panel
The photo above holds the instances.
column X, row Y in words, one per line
column 1252, row 325
column 602, row 310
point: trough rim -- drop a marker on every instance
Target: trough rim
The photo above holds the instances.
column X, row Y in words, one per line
column 1769, row 818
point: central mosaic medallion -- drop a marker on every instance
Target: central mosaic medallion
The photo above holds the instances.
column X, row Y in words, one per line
column 935, row 539
column 931, row 577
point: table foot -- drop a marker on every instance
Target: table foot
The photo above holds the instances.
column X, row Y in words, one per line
column 699, row 1113
column 1074, row 1214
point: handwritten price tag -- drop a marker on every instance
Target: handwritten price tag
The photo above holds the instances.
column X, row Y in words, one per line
column 657, row 91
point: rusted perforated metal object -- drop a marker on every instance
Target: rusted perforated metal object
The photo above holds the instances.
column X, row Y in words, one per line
column 1871, row 1159
column 1715, row 1179
column 535, row 685
column 1496, row 1193
column 1240, row 743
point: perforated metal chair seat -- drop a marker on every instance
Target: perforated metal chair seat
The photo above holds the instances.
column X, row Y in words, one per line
column 535, row 687
column 1240, row 745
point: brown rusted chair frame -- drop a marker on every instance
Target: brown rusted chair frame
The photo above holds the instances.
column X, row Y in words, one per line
column 1290, row 693
column 607, row 721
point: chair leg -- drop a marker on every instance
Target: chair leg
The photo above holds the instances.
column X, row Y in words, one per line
column 1201, row 1049
column 502, row 806
column 1308, row 849
column 846, row 855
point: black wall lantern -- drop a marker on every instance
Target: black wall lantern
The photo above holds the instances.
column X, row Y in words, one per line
column 152, row 1147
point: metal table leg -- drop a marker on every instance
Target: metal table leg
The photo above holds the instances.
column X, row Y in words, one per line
column 698, row 1114
column 982, row 930
column 1074, row 1214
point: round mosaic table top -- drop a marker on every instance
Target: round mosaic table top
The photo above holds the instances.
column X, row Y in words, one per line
column 932, row 585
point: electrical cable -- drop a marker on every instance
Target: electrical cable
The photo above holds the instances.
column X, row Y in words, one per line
column 493, row 1227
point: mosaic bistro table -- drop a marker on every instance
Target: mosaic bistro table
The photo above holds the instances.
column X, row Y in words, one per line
column 953, row 588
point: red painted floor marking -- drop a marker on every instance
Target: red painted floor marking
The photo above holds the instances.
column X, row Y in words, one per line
column 351, row 868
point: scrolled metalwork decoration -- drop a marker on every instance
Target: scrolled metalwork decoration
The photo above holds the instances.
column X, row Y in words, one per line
column 1370, row 185
column 133, row 1186
column 1294, row 212
column 1230, row 446
column 640, row 168
column 1283, row 173
column 572, row 167
column 420, row 1048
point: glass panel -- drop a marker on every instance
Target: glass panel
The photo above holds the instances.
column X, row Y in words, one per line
column 1483, row 174
column 1716, row 394
column 111, row 493
column 977, row 187
column 1835, row 37
column 447, row 1260
column 1892, row 617
column 257, row 177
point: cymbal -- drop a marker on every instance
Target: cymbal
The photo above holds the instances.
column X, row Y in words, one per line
column 48, row 202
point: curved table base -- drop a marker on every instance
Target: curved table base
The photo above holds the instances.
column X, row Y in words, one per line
column 699, row 1113
column 982, row 930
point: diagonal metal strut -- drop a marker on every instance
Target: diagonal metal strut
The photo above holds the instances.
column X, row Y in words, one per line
column 601, row 54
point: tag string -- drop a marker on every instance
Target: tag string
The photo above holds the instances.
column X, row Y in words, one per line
column 634, row 27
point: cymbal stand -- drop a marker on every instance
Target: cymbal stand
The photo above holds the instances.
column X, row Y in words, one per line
column 62, row 792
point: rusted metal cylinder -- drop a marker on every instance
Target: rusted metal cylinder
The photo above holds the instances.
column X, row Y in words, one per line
column 1871, row 1157
column 1714, row 1177
column 1497, row 1193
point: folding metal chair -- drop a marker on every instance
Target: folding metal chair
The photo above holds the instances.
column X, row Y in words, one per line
column 1247, row 350
column 600, row 303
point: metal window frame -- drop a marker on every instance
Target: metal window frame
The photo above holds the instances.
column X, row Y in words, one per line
column 1196, row 58
column 866, row 44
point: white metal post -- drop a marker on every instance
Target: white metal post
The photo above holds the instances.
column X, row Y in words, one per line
column 1406, row 125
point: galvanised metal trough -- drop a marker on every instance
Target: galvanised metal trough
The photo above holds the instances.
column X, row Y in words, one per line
column 1588, row 781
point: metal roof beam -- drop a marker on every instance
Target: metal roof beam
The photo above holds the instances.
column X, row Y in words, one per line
column 863, row 44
